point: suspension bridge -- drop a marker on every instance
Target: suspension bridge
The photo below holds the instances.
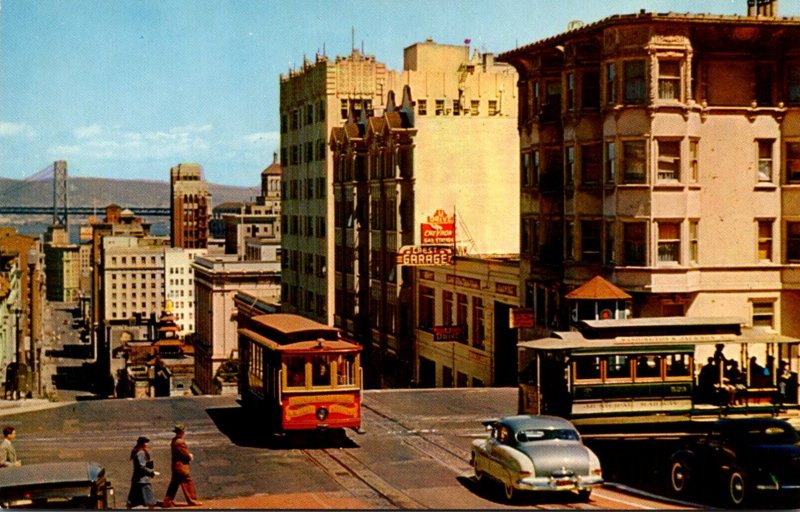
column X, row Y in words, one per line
column 61, row 209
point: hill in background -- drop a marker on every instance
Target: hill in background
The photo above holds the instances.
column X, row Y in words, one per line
column 101, row 192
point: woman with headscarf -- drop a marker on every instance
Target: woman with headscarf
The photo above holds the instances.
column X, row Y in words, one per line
column 141, row 492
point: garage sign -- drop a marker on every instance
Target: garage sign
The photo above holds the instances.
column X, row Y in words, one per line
column 416, row 255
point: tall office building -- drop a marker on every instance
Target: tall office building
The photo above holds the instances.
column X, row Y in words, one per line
column 417, row 144
column 663, row 152
column 190, row 203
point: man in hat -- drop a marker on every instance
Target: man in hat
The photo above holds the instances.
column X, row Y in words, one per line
column 180, row 470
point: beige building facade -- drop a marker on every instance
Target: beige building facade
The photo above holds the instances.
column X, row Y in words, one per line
column 217, row 281
column 663, row 152
column 464, row 105
column 463, row 338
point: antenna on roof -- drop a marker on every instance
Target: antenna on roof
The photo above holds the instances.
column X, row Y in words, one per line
column 352, row 38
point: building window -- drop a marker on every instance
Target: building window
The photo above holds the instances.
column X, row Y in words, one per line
column 310, row 114
column 765, row 159
column 569, row 242
column 590, row 90
column 591, row 164
column 669, row 160
column 634, row 244
column 765, row 240
column 611, row 162
column 610, row 241
column 284, row 123
column 793, row 242
column 792, row 162
column 764, row 314
column 611, row 93
column 590, row 241
column 321, row 110
column 525, row 169
column 456, row 107
column 529, row 244
column 439, row 107
column 635, row 82
column 422, row 107
column 461, row 309
column 694, row 242
column 570, row 99
column 427, row 303
column 669, row 242
column 447, row 307
column 634, row 162
column 793, row 82
column 474, row 109
column 569, row 165
column 492, row 108
column 669, row 79
column 478, row 334
column 344, row 109
column 694, row 159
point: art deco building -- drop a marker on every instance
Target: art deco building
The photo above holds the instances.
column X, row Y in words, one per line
column 663, row 152
column 400, row 174
column 190, row 203
column 434, row 130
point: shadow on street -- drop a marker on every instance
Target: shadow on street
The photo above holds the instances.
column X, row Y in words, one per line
column 246, row 429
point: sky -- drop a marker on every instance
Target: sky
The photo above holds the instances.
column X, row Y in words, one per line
column 129, row 88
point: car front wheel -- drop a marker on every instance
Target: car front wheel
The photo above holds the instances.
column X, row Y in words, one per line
column 679, row 477
column 585, row 495
column 737, row 487
column 510, row 491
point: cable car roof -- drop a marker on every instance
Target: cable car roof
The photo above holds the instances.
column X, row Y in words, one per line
column 574, row 340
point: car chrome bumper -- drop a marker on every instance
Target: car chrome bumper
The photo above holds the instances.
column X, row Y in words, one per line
column 559, row 484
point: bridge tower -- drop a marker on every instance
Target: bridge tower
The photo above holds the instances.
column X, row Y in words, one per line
column 60, row 194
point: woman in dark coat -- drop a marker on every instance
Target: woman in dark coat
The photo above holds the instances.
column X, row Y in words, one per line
column 141, row 492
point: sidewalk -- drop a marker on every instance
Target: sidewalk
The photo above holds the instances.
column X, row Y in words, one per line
column 8, row 407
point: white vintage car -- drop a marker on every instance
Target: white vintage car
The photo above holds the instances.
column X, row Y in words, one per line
column 536, row 453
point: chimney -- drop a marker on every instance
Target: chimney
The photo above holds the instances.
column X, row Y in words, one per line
column 762, row 8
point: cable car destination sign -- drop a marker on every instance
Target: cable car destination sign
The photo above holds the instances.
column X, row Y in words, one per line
column 438, row 241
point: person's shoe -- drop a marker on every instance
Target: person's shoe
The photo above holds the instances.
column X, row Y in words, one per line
column 167, row 503
column 194, row 503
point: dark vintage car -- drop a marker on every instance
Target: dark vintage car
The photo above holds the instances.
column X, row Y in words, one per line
column 56, row 485
column 738, row 459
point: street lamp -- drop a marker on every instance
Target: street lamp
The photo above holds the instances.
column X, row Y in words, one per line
column 33, row 321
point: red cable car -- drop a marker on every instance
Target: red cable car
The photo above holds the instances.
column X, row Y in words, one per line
column 302, row 374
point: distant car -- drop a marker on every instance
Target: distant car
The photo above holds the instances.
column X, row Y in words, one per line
column 56, row 485
column 536, row 453
column 739, row 458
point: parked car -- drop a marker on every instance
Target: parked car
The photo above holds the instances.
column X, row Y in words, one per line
column 536, row 453
column 739, row 457
column 56, row 485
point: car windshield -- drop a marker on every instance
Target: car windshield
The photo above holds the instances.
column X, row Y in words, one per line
column 532, row 435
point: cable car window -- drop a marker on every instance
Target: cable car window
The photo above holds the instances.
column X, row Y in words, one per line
column 295, row 372
column 648, row 367
column 617, row 367
column 345, row 370
column 587, row 368
column 321, row 374
column 679, row 365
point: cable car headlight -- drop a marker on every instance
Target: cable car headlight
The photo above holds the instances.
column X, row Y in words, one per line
column 322, row 413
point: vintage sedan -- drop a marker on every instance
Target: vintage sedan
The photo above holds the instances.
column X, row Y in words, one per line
column 740, row 458
column 536, row 453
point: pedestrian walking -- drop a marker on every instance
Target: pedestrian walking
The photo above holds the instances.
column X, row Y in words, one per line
column 8, row 455
column 141, row 492
column 181, row 476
